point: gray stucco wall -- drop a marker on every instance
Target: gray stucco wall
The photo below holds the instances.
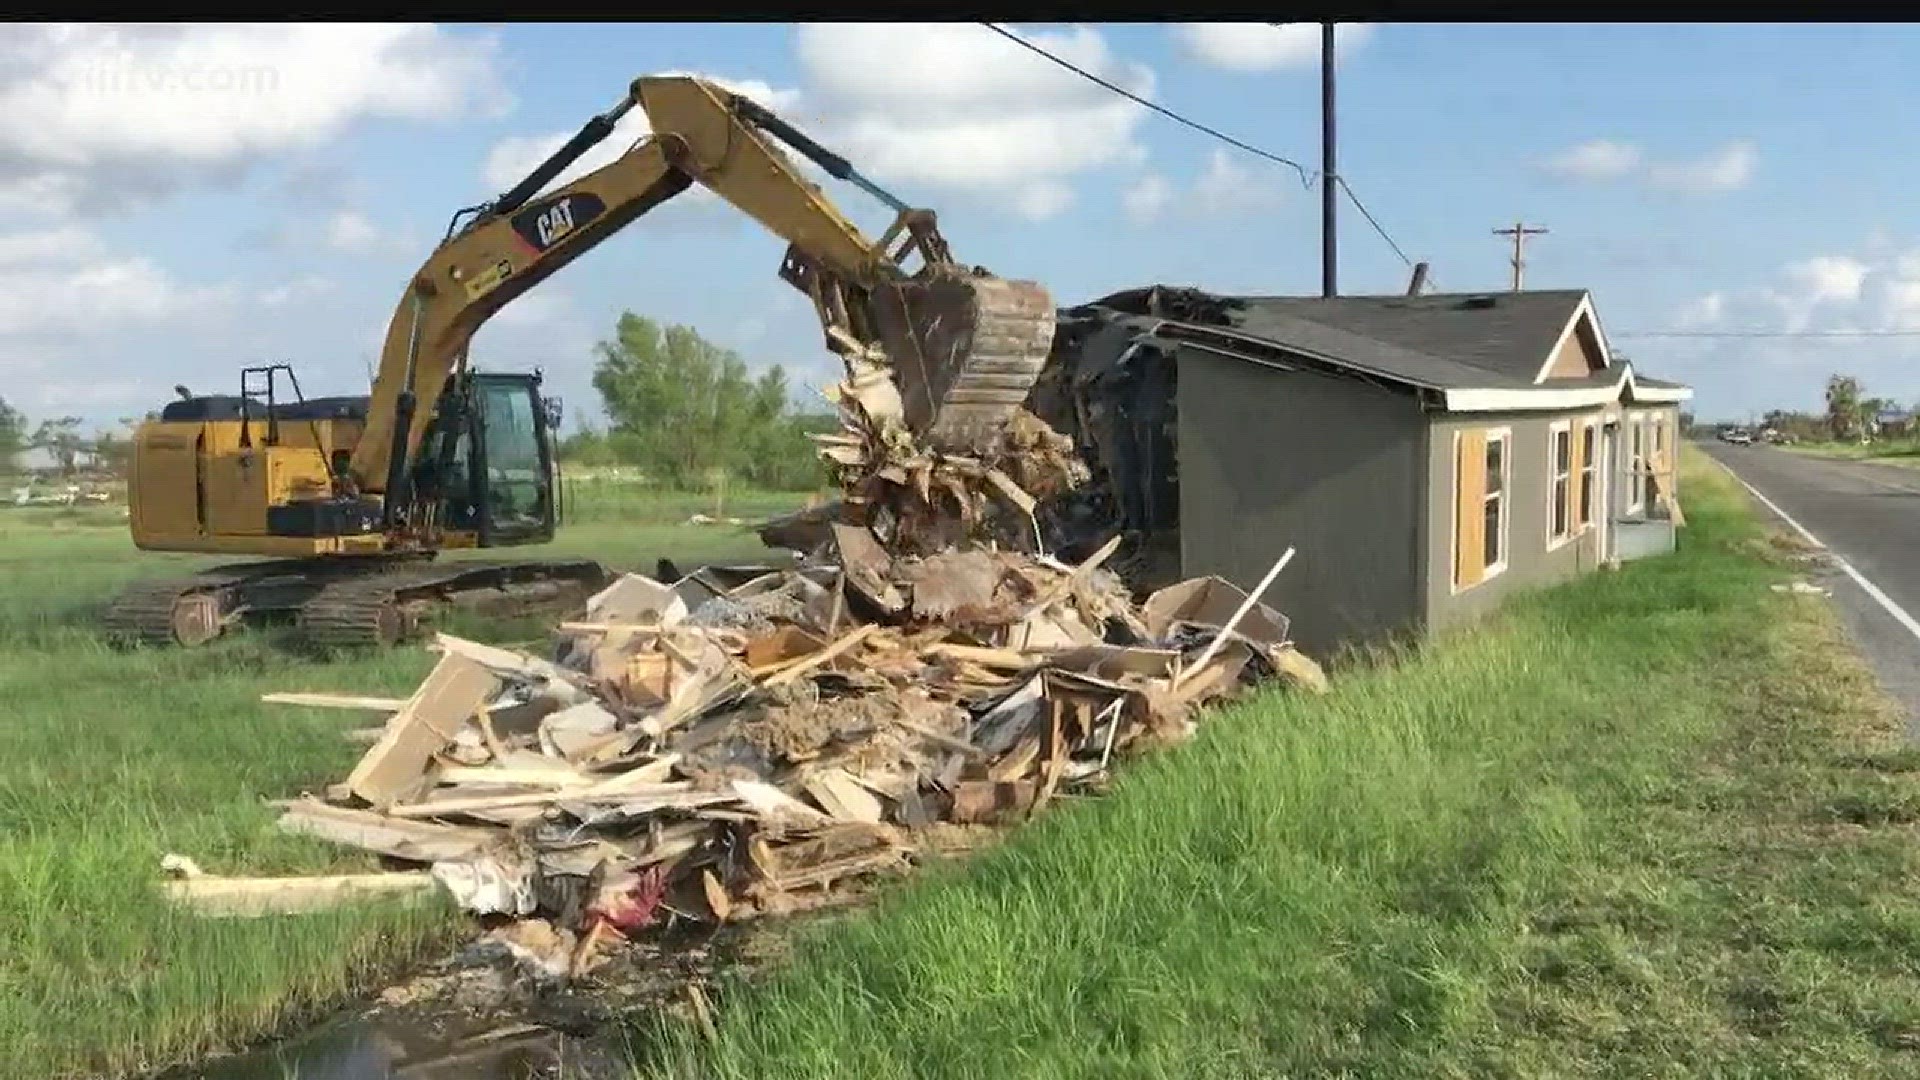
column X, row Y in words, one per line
column 1333, row 467
column 1529, row 562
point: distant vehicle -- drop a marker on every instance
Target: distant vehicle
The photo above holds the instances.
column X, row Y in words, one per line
column 1737, row 437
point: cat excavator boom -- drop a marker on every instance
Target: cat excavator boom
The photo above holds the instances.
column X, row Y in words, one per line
column 356, row 495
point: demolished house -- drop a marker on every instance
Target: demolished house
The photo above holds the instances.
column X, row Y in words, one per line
column 749, row 741
column 1425, row 454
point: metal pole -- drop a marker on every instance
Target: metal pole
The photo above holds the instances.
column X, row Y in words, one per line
column 1329, row 263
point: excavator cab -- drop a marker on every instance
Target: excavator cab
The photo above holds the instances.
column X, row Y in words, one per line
column 489, row 468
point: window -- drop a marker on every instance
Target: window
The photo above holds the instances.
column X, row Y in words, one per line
column 1636, row 464
column 1482, row 475
column 1493, row 541
column 1586, row 473
column 1560, row 490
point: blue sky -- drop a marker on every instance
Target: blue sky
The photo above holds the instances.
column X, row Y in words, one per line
column 187, row 200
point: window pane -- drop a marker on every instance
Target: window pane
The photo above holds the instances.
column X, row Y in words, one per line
column 1491, row 551
column 516, row 486
column 1560, row 507
column 1562, row 451
column 1494, row 448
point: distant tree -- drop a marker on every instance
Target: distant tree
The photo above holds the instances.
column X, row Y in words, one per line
column 61, row 440
column 1843, row 406
column 112, row 451
column 13, row 434
column 687, row 410
column 1686, row 425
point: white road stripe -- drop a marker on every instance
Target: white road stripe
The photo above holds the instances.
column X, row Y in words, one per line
column 1899, row 613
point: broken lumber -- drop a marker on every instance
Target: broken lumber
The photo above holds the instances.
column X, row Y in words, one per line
column 397, row 764
column 208, row 894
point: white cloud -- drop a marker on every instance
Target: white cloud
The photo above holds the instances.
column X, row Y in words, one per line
column 1224, row 189
column 1827, row 278
column 1228, row 188
column 304, row 287
column 1147, row 199
column 60, row 245
column 351, row 232
column 980, row 116
column 1596, row 159
column 1874, row 289
column 103, row 116
column 1701, row 311
column 1726, row 169
column 69, row 305
column 1248, row 47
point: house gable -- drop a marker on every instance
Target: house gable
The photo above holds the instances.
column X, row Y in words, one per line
column 1581, row 349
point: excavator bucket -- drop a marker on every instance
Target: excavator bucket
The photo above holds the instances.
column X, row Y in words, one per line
column 965, row 348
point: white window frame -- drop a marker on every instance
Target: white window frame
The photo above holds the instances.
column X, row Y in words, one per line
column 1589, row 472
column 1554, row 430
column 1636, row 461
column 1503, row 435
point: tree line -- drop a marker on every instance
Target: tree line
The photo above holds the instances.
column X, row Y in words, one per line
column 61, row 440
column 1850, row 415
column 682, row 410
column 688, row 413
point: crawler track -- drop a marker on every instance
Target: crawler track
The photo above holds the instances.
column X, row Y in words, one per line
column 345, row 603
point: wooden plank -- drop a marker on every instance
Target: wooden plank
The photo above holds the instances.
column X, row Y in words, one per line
column 1469, row 509
column 241, row 896
column 397, row 764
column 680, row 796
column 517, row 775
column 556, row 680
column 806, row 664
column 419, row 841
column 770, row 802
column 840, row 794
column 1226, row 632
column 993, row 658
column 316, row 700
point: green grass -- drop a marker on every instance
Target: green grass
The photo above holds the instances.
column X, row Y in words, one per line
column 109, row 760
column 1651, row 823
column 1890, row 451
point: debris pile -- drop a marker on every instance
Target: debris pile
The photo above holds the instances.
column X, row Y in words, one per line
column 739, row 742
column 745, row 740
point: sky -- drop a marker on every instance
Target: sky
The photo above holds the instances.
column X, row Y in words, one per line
column 186, row 200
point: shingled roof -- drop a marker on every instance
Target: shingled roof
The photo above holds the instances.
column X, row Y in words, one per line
column 1479, row 351
column 1509, row 334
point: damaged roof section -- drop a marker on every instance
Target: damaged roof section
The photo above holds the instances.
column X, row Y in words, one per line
column 1461, row 352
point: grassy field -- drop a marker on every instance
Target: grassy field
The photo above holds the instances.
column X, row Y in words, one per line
column 1890, row 451
column 109, row 760
column 1652, row 823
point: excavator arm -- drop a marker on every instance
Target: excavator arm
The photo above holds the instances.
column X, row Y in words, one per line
column 963, row 345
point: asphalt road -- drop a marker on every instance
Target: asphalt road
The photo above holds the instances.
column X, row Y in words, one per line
column 1868, row 516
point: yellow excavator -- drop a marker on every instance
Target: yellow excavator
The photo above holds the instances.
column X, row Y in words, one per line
column 351, row 498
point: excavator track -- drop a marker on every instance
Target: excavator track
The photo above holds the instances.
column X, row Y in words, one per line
column 382, row 609
column 341, row 604
column 179, row 611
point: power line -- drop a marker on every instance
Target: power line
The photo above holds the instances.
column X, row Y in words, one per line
column 1371, row 220
column 1306, row 177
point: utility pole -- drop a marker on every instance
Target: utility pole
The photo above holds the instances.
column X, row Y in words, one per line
column 1329, row 178
column 1519, row 232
